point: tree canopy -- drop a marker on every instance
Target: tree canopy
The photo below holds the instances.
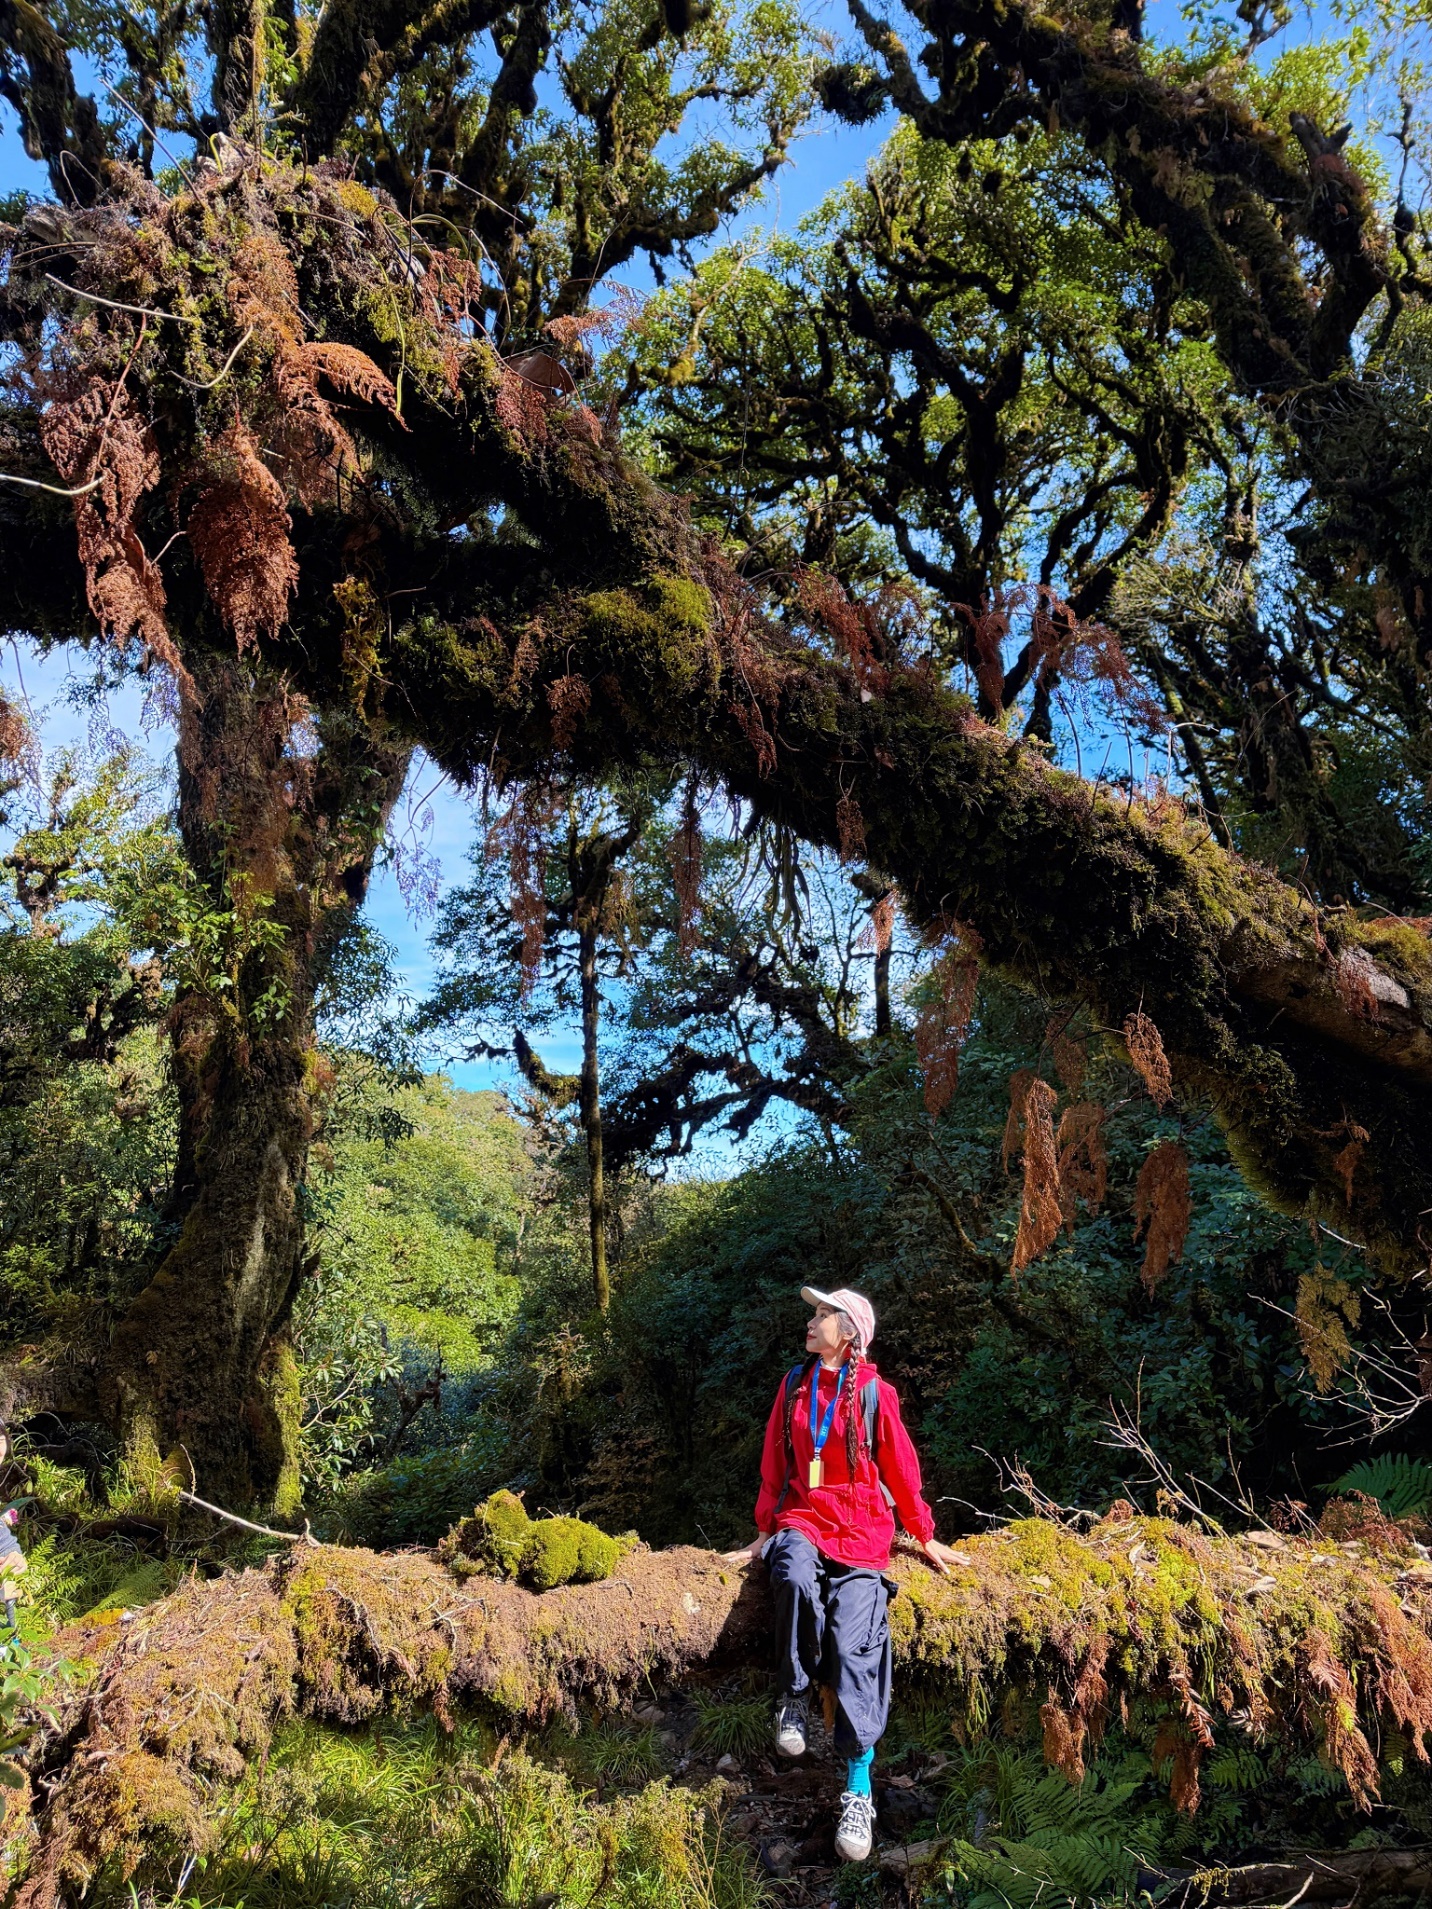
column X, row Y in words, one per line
column 320, row 408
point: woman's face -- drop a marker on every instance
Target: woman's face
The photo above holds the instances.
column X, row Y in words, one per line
column 823, row 1335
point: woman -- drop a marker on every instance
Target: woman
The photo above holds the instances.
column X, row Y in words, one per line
column 836, row 1459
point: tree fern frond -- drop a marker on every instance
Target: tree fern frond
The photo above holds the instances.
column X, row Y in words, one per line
column 1400, row 1484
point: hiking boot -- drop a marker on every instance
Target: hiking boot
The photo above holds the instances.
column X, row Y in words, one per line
column 791, row 1727
column 857, row 1825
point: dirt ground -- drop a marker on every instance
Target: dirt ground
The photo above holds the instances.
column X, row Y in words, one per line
column 785, row 1810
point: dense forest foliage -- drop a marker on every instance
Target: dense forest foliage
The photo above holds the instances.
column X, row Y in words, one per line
column 943, row 699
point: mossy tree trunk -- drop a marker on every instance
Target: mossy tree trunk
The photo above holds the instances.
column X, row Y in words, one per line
column 281, row 840
column 591, row 1105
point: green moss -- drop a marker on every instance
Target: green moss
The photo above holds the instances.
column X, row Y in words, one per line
column 500, row 1538
column 552, row 1554
column 1397, row 944
column 279, row 1468
column 658, row 635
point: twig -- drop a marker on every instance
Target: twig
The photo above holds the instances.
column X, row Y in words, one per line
column 1127, row 1435
column 194, row 384
column 55, row 490
column 231, row 1517
column 140, row 311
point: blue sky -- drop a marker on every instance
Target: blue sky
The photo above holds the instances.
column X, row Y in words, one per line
column 822, row 159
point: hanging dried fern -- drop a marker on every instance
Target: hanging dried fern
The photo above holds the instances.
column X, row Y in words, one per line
column 1040, row 1214
column 850, row 829
column 1013, row 1140
column 882, row 922
column 569, row 698
column 1347, row 1159
column 519, row 833
column 1146, row 1051
column 942, row 1022
column 1071, row 1054
column 104, row 449
column 239, row 533
column 685, row 850
column 1162, row 1209
column 15, row 739
column 1083, row 1159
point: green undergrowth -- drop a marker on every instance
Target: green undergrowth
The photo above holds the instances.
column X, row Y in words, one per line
column 1020, row 1834
column 89, row 1559
column 413, row 1819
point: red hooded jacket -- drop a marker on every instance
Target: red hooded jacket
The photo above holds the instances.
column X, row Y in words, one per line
column 848, row 1520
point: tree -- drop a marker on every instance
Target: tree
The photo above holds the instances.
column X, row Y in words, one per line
column 570, row 900
column 92, row 908
column 976, row 370
column 752, row 995
column 286, row 783
column 967, row 373
column 485, row 571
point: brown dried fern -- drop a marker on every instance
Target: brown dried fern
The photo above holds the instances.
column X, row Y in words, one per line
column 943, row 1020
column 1146, row 1051
column 1071, row 1054
column 686, row 869
column 1013, row 1140
column 569, row 698
column 1040, row 1214
column 1083, row 1159
column 238, row 530
column 1162, row 1209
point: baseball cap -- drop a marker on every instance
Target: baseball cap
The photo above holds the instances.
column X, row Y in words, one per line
column 855, row 1305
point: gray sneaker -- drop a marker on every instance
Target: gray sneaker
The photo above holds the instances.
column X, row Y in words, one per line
column 791, row 1727
column 857, row 1826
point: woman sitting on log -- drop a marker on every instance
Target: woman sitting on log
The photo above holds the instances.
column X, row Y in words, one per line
column 837, row 1458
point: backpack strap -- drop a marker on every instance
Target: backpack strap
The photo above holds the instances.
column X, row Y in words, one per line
column 870, row 1411
column 869, row 1399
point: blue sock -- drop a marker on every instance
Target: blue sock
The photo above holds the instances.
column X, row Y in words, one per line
column 857, row 1772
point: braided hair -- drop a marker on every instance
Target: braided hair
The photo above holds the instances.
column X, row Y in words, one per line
column 852, row 1396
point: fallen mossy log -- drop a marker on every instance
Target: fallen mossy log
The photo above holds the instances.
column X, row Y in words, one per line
column 1359, row 1875
column 1307, row 1638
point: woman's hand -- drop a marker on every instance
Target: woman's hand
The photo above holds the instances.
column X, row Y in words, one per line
column 749, row 1553
column 942, row 1557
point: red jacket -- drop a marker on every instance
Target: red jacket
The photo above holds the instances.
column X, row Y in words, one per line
column 848, row 1521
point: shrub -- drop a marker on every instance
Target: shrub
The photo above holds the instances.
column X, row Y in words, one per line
column 413, row 1819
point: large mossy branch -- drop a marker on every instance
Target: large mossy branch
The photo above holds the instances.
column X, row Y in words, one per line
column 1319, row 1645
column 1296, row 1027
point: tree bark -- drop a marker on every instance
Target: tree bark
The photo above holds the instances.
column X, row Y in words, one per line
column 200, row 1369
column 592, row 1113
column 883, row 1020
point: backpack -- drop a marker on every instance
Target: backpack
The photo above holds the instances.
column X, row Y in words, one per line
column 869, row 1398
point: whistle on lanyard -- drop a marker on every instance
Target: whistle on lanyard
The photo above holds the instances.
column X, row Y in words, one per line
column 820, row 1432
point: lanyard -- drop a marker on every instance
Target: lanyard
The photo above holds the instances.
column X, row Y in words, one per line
column 818, row 1438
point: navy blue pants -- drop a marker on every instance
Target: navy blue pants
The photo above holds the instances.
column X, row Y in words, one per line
column 831, row 1629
